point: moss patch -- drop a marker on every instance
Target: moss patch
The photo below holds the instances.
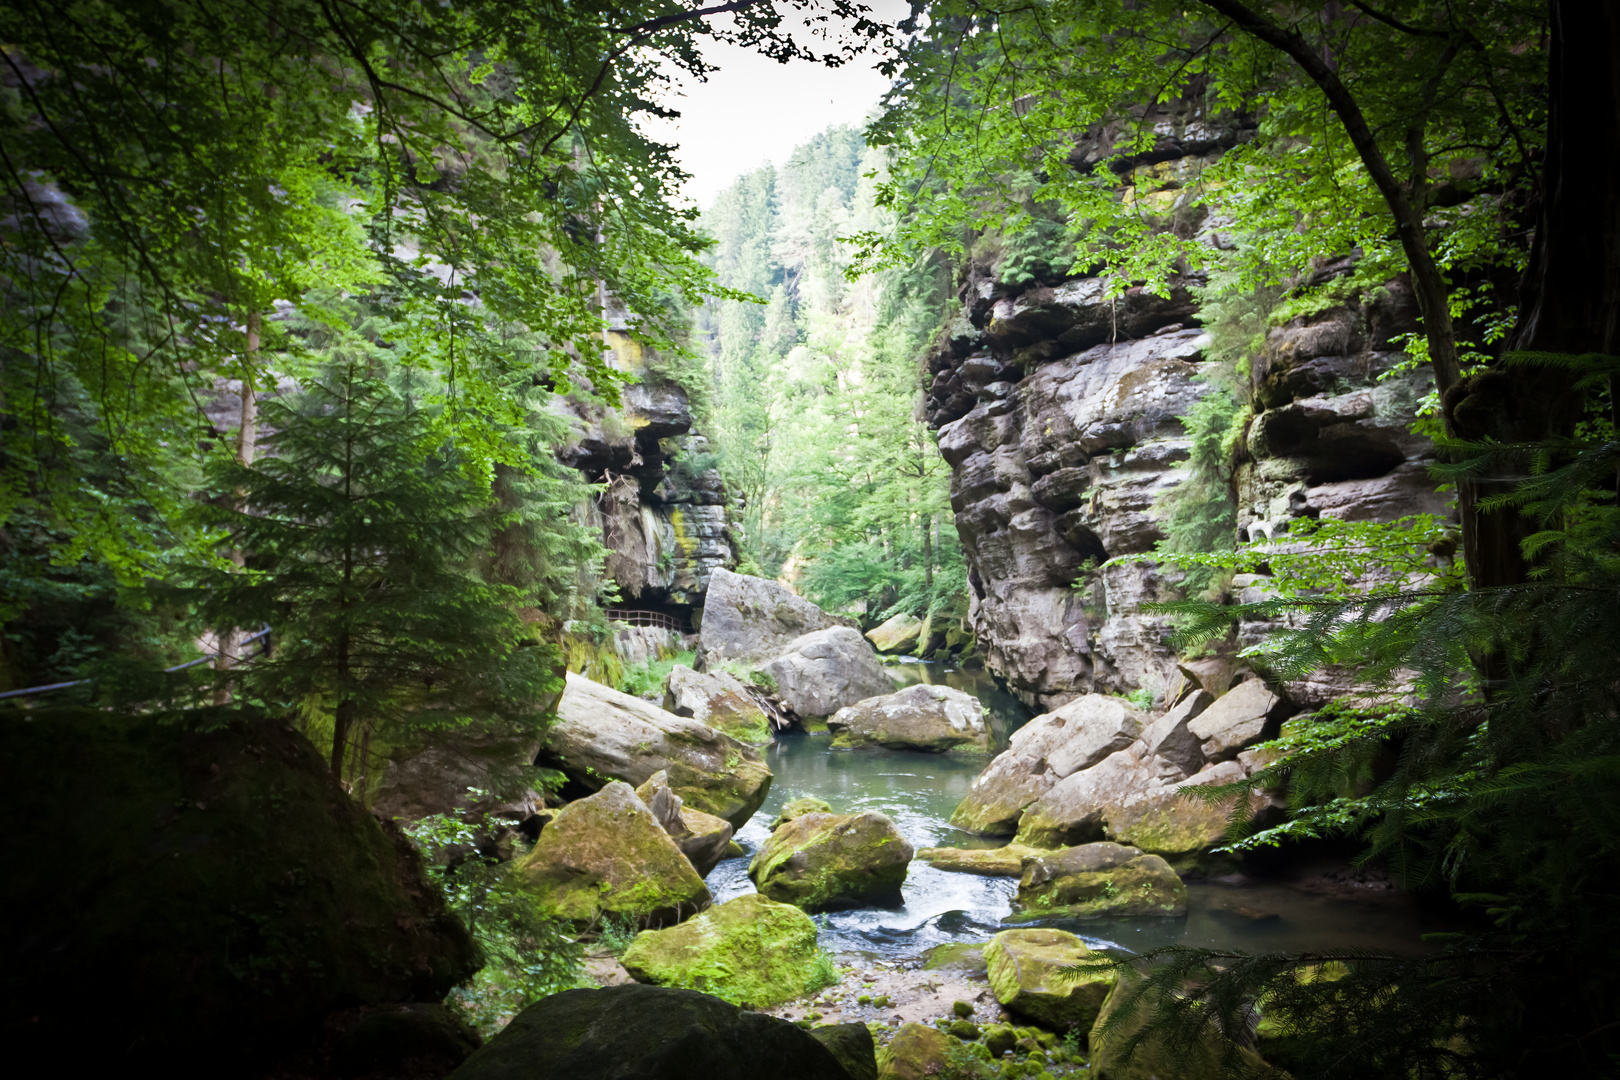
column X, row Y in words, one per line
column 1144, row 885
column 748, row 951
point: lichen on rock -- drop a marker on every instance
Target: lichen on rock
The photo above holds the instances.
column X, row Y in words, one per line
column 1092, row 880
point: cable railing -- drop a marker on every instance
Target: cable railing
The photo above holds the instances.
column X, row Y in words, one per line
column 660, row 620
column 32, row 691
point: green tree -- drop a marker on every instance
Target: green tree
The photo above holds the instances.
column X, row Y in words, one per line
column 361, row 532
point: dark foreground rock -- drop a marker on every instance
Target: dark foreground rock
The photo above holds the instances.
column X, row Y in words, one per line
column 194, row 893
column 648, row 1032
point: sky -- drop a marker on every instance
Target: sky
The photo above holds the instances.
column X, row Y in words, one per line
column 754, row 110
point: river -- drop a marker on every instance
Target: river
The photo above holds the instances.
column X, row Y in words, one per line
column 919, row 791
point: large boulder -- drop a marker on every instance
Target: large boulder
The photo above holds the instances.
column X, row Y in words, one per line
column 820, row 673
column 1237, row 720
column 204, row 875
column 603, row 735
column 1113, row 1057
column 922, row 717
column 748, row 618
column 719, row 699
column 1038, row 974
column 750, row 951
column 1169, row 736
column 648, row 1031
column 1044, row 751
column 1075, row 809
column 1092, row 880
column 823, row 862
column 1173, row 822
column 916, row 1052
column 896, row 633
column 441, row 774
column 702, row 838
column 607, row 855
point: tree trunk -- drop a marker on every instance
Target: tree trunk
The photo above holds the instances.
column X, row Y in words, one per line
column 1569, row 300
column 247, row 444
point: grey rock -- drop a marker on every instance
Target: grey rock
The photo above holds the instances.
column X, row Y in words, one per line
column 1237, row 720
column 748, row 618
column 923, row 717
column 819, row 673
column 719, row 699
column 1169, row 738
column 602, row 734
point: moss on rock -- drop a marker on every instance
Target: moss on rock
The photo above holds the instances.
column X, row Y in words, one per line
column 991, row 862
column 1092, row 880
column 823, row 862
column 852, row 1045
column 748, row 951
column 916, row 1052
column 607, row 855
column 1037, row 974
column 797, row 808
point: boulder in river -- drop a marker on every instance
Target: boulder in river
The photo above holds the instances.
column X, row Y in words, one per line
column 1005, row 861
column 702, row 838
column 1049, row 748
column 1039, row 974
column 1091, row 880
column 922, row 717
column 750, row 951
column 607, row 855
column 602, row 735
column 203, row 877
column 749, row 618
column 717, row 698
column 795, row 808
column 823, row 862
column 820, row 673
column 895, row 634
column 648, row 1031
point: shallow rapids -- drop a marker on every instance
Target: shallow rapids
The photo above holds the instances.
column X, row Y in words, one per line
column 919, row 791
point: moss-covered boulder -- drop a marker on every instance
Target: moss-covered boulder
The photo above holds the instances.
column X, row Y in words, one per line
column 1092, row 880
column 607, row 855
column 1154, row 1058
column 749, row 951
column 603, row 735
column 897, row 634
column 823, row 862
column 955, row 956
column 797, row 808
column 203, row 878
column 1005, row 861
column 917, row 1052
column 932, row 719
column 852, row 1045
column 702, row 838
column 1039, row 975
column 648, row 1031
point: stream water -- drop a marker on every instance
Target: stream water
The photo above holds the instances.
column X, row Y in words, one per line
column 919, row 791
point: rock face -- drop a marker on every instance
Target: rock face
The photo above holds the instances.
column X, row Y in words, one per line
column 719, row 699
column 821, row 672
column 922, row 717
column 823, row 862
column 751, row 619
column 749, row 951
column 608, row 855
column 206, row 873
column 1058, row 411
column 702, row 838
column 1047, row 749
column 896, row 634
column 648, row 1031
column 1100, row 879
column 1033, row 973
column 602, row 734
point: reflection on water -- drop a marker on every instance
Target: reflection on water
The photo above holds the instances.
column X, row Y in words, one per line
column 919, row 791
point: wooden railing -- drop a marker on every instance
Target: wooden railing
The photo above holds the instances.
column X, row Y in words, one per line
column 659, row 619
